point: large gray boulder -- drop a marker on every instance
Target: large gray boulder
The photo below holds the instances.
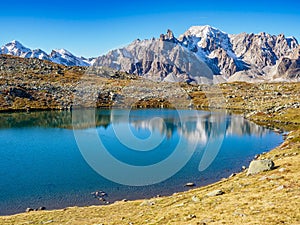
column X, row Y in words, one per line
column 257, row 166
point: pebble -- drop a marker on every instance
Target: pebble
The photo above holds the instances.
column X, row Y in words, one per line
column 195, row 199
column 256, row 156
column 280, row 188
column 275, row 177
column 179, row 205
column 215, row 193
column 28, row 210
column 147, row 203
column 263, row 178
column 281, row 170
column 232, row 175
column 48, row 221
column 41, row 208
column 101, row 199
column 190, row 216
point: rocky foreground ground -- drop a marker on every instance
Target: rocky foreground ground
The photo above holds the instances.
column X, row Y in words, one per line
column 271, row 197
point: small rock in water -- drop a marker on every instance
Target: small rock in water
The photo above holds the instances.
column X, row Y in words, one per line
column 257, row 166
column 215, row 193
column 232, row 175
column 190, row 184
column 28, row 210
column 101, row 199
column 41, row 208
column 244, row 167
column 256, row 156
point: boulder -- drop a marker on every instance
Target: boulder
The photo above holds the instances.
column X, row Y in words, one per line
column 257, row 166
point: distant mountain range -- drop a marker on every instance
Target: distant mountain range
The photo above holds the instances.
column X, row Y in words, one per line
column 202, row 54
column 60, row 56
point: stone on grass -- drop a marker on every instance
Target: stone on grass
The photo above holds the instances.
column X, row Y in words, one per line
column 281, row 170
column 257, row 166
column 195, row 199
column 280, row 188
column 215, row 193
column 147, row 203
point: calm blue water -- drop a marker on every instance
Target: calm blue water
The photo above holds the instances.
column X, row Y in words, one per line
column 42, row 165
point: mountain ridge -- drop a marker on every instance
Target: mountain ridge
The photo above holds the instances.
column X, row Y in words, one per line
column 202, row 54
column 60, row 56
column 228, row 57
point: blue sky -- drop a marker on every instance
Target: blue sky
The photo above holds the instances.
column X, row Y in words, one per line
column 91, row 28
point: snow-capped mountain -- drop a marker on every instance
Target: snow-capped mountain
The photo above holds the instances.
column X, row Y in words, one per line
column 60, row 56
column 204, row 53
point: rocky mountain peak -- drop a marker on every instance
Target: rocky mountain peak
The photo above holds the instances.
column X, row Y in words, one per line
column 238, row 57
column 14, row 48
column 168, row 37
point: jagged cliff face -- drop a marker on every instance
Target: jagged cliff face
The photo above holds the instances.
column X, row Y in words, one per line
column 262, row 49
column 241, row 57
column 159, row 60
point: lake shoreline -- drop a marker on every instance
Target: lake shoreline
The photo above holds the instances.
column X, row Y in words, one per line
column 286, row 156
column 42, row 123
column 278, row 153
column 255, row 119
